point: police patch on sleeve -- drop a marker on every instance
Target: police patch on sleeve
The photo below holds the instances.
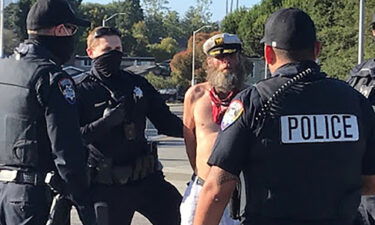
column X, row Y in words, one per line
column 67, row 89
column 233, row 112
column 319, row 128
column 137, row 93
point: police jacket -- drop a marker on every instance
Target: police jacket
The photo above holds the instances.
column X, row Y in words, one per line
column 141, row 101
column 39, row 118
column 302, row 140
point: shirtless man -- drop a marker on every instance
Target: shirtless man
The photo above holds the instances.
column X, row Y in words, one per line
column 204, row 107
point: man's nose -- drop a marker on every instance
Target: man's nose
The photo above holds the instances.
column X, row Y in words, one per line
column 225, row 61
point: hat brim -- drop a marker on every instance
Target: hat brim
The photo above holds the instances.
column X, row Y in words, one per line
column 81, row 22
column 222, row 51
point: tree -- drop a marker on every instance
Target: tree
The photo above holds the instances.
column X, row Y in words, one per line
column 181, row 63
column 336, row 23
column 156, row 29
column 10, row 41
column 173, row 27
column 155, row 7
column 131, row 13
column 165, row 50
column 15, row 17
column 139, row 32
column 160, row 82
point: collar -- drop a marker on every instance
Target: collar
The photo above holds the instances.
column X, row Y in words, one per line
column 33, row 47
column 294, row 68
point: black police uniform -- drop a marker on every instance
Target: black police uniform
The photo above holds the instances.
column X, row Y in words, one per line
column 302, row 141
column 40, row 132
column 129, row 177
column 362, row 78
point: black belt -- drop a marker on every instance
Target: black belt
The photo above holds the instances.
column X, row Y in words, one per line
column 22, row 177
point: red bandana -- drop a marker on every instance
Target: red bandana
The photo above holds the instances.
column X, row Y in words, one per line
column 219, row 106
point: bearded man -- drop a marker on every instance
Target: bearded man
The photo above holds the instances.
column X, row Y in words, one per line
column 204, row 107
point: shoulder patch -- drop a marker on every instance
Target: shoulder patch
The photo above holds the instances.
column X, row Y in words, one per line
column 233, row 112
column 67, row 89
column 137, row 93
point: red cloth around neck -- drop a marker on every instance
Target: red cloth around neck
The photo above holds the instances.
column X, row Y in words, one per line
column 219, row 106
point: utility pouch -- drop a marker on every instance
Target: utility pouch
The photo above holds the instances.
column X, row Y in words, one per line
column 122, row 174
column 143, row 167
column 104, row 172
column 130, row 131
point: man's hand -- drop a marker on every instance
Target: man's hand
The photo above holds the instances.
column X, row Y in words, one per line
column 214, row 196
column 114, row 116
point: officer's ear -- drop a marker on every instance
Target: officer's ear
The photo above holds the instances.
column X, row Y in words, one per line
column 317, row 49
column 269, row 55
column 61, row 30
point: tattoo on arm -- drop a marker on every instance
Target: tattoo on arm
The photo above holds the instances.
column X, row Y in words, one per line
column 225, row 177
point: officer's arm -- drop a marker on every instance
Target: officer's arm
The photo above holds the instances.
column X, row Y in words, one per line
column 368, row 185
column 164, row 120
column 96, row 129
column 56, row 96
column 189, row 128
column 214, row 196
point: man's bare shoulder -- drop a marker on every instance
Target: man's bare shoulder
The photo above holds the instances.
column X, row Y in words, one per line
column 197, row 91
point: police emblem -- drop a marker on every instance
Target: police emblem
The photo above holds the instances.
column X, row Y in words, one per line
column 219, row 41
column 67, row 89
column 137, row 93
column 233, row 112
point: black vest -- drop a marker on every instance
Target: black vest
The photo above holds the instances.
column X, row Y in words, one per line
column 295, row 172
column 23, row 130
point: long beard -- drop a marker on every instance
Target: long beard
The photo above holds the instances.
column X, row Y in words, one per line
column 225, row 81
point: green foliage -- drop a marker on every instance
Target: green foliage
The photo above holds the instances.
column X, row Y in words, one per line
column 336, row 23
column 165, row 50
column 155, row 7
column 15, row 16
column 160, row 82
column 181, row 63
column 10, row 41
column 159, row 32
column 173, row 28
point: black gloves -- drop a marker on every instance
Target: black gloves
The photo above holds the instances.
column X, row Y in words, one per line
column 114, row 116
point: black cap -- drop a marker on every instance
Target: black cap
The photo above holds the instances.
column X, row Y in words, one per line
column 49, row 13
column 289, row 29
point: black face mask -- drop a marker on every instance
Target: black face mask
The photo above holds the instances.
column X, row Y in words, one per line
column 61, row 47
column 108, row 64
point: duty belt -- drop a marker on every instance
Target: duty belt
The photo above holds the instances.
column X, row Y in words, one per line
column 110, row 174
column 22, row 177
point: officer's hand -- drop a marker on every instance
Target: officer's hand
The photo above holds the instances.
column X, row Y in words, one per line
column 114, row 116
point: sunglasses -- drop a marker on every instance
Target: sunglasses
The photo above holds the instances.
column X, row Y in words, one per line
column 106, row 31
column 71, row 27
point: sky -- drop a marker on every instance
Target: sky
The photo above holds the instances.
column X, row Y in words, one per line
column 218, row 7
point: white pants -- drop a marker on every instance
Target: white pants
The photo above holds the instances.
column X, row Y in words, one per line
column 189, row 205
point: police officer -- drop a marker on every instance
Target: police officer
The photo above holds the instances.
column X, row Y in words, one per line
column 301, row 139
column 39, row 119
column 114, row 105
column 362, row 78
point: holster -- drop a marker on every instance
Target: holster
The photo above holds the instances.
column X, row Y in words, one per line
column 141, row 167
column 60, row 211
